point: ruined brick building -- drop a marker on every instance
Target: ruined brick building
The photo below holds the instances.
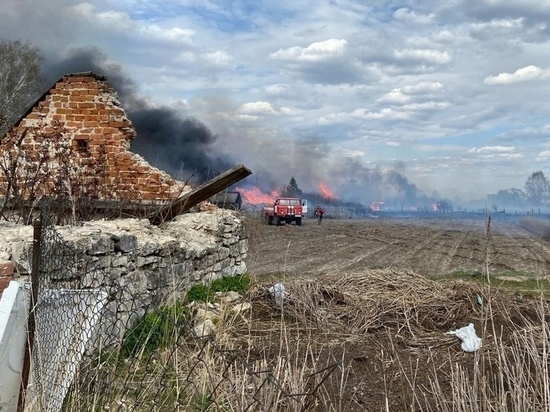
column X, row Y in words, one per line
column 74, row 141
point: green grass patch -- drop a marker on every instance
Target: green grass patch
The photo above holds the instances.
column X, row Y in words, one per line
column 524, row 286
column 202, row 293
column 512, row 280
column 154, row 330
column 159, row 328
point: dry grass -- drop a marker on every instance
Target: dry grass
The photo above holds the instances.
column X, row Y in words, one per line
column 355, row 342
column 370, row 341
column 537, row 226
column 511, row 373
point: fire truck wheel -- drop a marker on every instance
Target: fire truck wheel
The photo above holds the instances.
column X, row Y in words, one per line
column 298, row 221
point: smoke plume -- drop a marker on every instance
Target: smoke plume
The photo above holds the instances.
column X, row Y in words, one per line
column 365, row 185
column 182, row 146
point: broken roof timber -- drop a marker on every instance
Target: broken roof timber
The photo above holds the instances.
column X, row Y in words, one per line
column 201, row 193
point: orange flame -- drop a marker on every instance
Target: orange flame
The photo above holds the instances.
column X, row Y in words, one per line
column 326, row 193
column 376, row 206
column 255, row 196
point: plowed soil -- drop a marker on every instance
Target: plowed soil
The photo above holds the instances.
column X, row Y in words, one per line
column 390, row 270
column 429, row 246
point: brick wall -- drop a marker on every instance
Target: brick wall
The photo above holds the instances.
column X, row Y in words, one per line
column 76, row 139
column 6, row 275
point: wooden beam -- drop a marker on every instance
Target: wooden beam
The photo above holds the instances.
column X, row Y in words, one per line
column 201, row 193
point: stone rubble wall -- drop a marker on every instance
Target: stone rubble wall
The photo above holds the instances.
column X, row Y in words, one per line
column 146, row 265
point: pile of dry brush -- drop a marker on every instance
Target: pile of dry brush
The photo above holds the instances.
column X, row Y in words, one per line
column 386, row 299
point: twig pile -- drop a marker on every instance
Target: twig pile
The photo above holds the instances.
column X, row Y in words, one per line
column 383, row 298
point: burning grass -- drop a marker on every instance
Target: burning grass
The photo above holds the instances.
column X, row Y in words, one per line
column 352, row 342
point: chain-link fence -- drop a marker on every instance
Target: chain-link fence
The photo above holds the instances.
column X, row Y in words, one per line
column 94, row 351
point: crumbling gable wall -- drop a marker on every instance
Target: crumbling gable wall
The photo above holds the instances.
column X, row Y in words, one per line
column 76, row 139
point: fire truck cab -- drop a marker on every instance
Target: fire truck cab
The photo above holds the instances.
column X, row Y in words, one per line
column 285, row 210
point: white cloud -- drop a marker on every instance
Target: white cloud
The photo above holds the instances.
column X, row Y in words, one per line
column 393, row 144
column 276, row 88
column 257, row 108
column 422, row 87
column 173, row 34
column 520, row 75
column 445, row 36
column 314, row 52
column 288, row 111
column 110, row 18
column 421, row 169
column 349, row 153
column 407, row 15
column 430, row 56
column 511, row 155
column 247, row 117
column 426, row 106
column 403, row 95
column 492, row 149
column 498, row 24
column 543, row 156
column 82, row 9
column 386, row 113
column 217, row 58
column 395, row 96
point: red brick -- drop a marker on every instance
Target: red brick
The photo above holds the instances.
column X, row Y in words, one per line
column 7, row 268
column 64, row 111
column 86, row 105
column 88, row 123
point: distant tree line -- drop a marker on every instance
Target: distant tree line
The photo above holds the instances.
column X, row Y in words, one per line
column 536, row 193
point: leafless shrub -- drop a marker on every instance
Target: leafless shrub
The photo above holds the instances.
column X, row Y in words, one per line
column 74, row 176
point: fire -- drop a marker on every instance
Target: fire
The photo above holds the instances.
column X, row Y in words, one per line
column 255, row 196
column 435, row 207
column 376, row 206
column 326, row 193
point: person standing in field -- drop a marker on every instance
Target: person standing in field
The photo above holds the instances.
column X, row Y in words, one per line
column 319, row 212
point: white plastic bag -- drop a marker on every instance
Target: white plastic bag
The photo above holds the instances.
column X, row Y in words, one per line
column 278, row 291
column 470, row 341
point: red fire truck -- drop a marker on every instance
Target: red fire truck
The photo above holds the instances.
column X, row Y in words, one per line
column 285, row 210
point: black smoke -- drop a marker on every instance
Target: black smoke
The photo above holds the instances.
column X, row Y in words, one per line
column 365, row 185
column 180, row 145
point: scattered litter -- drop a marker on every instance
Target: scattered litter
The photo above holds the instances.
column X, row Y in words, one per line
column 470, row 341
column 479, row 300
column 278, row 291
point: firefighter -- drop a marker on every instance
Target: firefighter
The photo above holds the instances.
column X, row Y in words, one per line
column 319, row 211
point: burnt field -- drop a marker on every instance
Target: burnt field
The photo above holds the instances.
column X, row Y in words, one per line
column 430, row 246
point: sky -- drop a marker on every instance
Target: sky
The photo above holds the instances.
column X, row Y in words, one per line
column 450, row 95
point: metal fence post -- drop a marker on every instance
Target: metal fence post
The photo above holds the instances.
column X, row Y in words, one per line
column 31, row 323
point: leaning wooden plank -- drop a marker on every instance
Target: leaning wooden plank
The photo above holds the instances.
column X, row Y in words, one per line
column 201, row 193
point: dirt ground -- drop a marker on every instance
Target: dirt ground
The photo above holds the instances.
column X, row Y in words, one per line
column 429, row 246
column 367, row 296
